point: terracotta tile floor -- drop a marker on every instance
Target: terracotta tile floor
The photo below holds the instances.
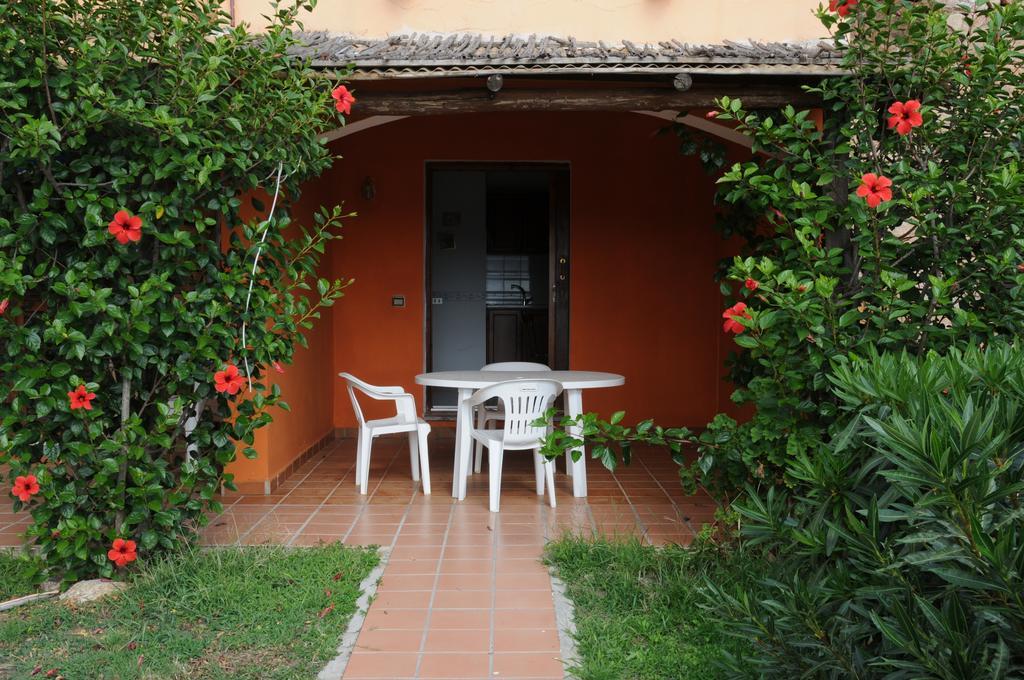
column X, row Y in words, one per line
column 11, row 526
column 464, row 594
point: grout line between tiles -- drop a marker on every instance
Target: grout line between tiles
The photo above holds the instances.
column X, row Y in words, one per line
column 211, row 520
column 369, row 495
column 494, row 592
column 593, row 521
column 632, row 507
column 433, row 592
column 675, row 506
column 318, row 508
column 266, row 514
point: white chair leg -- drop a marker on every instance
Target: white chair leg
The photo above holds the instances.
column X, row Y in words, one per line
column 549, row 473
column 359, row 456
column 414, row 462
column 364, row 474
column 538, row 471
column 496, row 452
column 501, row 467
column 421, row 433
column 481, row 423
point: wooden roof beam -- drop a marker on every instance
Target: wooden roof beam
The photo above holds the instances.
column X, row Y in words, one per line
column 478, row 100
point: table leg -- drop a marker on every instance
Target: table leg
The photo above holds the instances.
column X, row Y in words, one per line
column 574, row 406
column 458, row 437
column 464, row 443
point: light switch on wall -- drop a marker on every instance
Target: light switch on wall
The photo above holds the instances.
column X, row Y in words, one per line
column 398, row 301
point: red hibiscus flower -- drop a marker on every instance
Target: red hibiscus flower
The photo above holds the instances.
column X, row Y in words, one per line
column 841, row 7
column 3, row 305
column 751, row 284
column 731, row 325
column 905, row 116
column 80, row 398
column 125, row 227
column 228, row 380
column 343, row 99
column 25, row 487
column 278, row 367
column 122, row 552
column 875, row 189
column 711, row 114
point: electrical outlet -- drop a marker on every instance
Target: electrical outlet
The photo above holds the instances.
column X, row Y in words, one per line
column 437, row 301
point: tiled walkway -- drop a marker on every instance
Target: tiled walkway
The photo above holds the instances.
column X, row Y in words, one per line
column 11, row 526
column 464, row 594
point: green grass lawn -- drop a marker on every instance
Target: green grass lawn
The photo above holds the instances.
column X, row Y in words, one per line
column 638, row 613
column 261, row 612
column 17, row 574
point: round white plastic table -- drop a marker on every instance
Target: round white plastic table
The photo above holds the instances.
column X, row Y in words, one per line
column 466, row 382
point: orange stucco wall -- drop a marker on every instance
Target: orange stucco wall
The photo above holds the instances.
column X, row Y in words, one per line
column 643, row 299
column 306, row 385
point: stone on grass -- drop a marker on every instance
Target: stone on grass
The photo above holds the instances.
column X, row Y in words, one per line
column 92, row 590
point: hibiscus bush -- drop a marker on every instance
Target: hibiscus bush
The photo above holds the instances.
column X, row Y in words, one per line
column 893, row 221
column 146, row 280
column 897, row 224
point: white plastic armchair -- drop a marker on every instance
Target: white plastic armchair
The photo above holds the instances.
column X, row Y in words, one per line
column 404, row 420
column 485, row 414
column 524, row 401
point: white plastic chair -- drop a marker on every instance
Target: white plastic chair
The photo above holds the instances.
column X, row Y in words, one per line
column 404, row 420
column 485, row 415
column 524, row 401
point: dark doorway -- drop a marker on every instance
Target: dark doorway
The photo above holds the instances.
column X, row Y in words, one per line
column 497, row 267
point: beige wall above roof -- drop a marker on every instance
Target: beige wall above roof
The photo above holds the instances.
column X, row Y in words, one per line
column 690, row 21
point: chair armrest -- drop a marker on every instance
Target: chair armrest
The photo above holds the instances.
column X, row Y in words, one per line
column 394, row 389
column 374, row 391
column 405, row 406
column 385, row 394
column 483, row 395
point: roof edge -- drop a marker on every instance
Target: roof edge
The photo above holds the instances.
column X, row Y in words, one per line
column 436, row 54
